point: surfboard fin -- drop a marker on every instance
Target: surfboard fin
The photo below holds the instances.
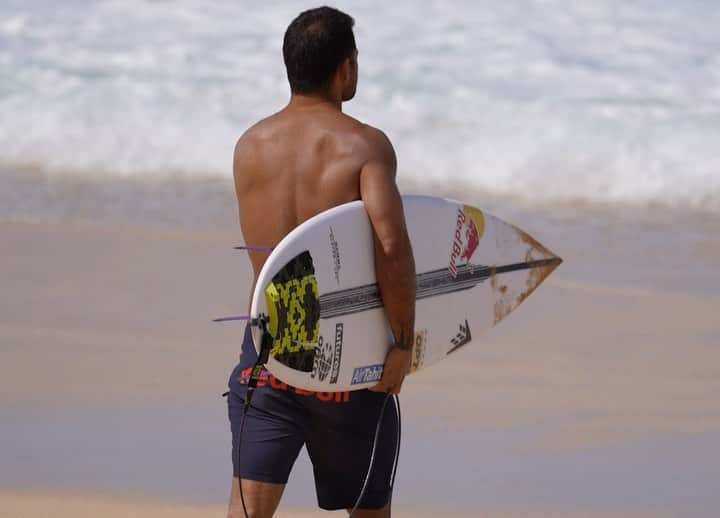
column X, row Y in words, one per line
column 256, row 322
column 253, row 321
column 255, row 248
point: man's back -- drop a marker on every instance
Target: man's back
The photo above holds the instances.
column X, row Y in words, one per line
column 297, row 163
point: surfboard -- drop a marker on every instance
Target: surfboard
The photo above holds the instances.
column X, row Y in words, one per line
column 318, row 298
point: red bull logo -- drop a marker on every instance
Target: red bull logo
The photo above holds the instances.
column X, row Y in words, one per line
column 469, row 228
column 472, row 239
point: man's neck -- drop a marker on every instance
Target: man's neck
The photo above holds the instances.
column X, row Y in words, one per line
column 314, row 100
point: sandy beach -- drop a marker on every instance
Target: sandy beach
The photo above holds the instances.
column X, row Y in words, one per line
column 598, row 397
column 14, row 505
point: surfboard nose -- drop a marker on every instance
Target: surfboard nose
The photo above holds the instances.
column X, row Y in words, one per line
column 511, row 290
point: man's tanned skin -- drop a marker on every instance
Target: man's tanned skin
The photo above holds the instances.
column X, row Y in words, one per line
column 305, row 159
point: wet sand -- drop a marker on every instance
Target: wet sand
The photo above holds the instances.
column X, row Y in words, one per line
column 600, row 396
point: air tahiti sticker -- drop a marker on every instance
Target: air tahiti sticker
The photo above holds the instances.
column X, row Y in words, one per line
column 367, row 374
column 469, row 228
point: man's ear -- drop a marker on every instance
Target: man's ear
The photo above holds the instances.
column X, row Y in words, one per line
column 340, row 75
column 346, row 70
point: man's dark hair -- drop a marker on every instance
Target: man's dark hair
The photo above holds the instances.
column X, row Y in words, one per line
column 315, row 43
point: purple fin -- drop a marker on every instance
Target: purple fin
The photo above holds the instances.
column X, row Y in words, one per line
column 256, row 248
column 228, row 319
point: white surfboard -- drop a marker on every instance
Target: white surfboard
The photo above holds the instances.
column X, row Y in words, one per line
column 318, row 293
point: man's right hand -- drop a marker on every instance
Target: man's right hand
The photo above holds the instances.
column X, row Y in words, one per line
column 397, row 365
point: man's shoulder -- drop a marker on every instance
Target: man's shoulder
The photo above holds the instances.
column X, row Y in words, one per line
column 373, row 140
column 370, row 141
column 249, row 148
column 376, row 136
column 257, row 131
column 364, row 130
column 248, row 152
column 378, row 143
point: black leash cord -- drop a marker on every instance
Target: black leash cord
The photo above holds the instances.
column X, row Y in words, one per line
column 396, row 457
column 246, row 407
column 242, row 424
column 255, row 375
column 396, row 460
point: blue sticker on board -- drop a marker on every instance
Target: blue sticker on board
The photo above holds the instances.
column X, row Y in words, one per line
column 367, row 374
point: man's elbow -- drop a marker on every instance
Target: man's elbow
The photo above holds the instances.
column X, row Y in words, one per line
column 393, row 247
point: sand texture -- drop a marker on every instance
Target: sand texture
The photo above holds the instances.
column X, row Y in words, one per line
column 600, row 396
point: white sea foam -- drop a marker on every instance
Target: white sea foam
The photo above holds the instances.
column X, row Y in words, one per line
column 599, row 100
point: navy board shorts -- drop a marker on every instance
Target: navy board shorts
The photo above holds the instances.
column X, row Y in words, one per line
column 337, row 428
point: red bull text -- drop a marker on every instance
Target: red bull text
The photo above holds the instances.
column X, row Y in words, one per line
column 469, row 228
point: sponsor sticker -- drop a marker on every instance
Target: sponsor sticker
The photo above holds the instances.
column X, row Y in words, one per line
column 337, row 353
column 462, row 337
column 418, row 350
column 367, row 374
column 335, row 251
column 327, row 356
column 323, row 359
column 469, row 228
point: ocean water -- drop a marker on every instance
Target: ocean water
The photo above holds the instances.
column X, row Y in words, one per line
column 592, row 101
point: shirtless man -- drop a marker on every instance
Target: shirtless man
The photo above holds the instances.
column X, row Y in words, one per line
column 305, row 159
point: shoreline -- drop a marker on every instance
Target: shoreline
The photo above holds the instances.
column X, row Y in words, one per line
column 33, row 194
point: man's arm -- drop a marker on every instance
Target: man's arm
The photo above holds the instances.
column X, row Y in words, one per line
column 394, row 264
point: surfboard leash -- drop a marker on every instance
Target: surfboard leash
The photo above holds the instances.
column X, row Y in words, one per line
column 396, row 455
column 255, row 374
